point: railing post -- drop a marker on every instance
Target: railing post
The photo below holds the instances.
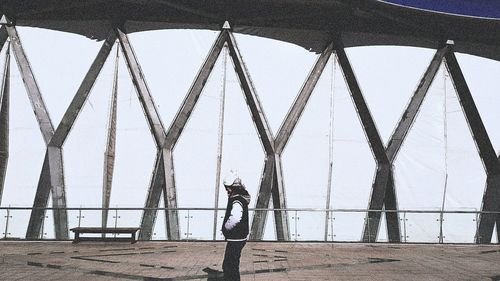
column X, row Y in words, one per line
column 404, row 227
column 79, row 217
column 188, row 222
column 332, row 218
column 42, row 228
column 7, row 224
column 441, row 219
column 116, row 217
column 295, row 225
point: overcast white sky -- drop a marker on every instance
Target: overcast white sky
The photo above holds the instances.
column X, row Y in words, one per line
column 170, row 60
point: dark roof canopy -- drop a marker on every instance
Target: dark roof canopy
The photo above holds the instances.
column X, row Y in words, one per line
column 308, row 23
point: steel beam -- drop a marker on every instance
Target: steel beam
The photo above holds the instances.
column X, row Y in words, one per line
column 384, row 178
column 40, row 203
column 58, row 192
column 491, row 196
column 279, row 199
column 51, row 182
column 54, row 167
column 156, row 187
column 32, row 88
column 109, row 154
column 162, row 182
column 481, row 138
column 82, row 94
column 412, row 109
column 272, row 178
column 170, row 196
column 292, row 118
column 370, row 130
column 267, row 140
column 143, row 92
column 252, row 100
column 4, row 121
column 163, row 178
column 263, row 198
column 383, row 174
column 53, row 171
column 165, row 168
column 187, row 107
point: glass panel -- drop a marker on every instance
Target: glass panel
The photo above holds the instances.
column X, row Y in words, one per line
column 200, row 225
column 459, row 228
column 421, row 227
column 159, row 229
column 18, row 223
column 310, row 226
column 348, row 226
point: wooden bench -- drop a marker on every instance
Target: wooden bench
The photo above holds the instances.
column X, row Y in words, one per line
column 109, row 230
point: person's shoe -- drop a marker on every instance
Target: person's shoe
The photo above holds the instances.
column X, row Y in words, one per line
column 214, row 274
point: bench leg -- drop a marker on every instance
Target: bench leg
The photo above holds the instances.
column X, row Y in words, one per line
column 77, row 237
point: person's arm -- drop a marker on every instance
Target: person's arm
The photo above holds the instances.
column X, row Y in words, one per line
column 235, row 217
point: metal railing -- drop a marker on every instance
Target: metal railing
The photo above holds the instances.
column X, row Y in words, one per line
column 306, row 224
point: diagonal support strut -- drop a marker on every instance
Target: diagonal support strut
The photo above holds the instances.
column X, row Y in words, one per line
column 383, row 178
column 491, row 196
column 385, row 173
column 272, row 177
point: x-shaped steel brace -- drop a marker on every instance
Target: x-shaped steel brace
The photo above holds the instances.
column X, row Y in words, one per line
column 491, row 196
column 383, row 194
column 272, row 178
column 163, row 175
column 52, row 177
column 165, row 159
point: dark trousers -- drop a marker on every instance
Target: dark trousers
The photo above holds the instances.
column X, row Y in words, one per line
column 231, row 264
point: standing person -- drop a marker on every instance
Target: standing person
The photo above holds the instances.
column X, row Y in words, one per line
column 235, row 226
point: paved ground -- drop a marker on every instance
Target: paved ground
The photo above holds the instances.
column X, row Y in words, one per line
column 260, row 261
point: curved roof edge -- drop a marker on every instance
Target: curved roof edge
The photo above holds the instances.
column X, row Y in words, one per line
column 310, row 24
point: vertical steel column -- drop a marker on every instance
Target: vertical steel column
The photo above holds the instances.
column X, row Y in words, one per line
column 220, row 141
column 330, row 151
column 372, row 221
column 491, row 196
column 109, row 154
column 4, row 121
column 272, row 178
column 163, row 176
column 383, row 175
column 52, row 175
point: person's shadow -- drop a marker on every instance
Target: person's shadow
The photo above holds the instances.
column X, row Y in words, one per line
column 213, row 274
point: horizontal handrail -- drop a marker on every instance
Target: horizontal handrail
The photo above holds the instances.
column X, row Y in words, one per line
column 260, row 209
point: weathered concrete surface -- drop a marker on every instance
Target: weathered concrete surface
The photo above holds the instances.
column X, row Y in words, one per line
column 260, row 261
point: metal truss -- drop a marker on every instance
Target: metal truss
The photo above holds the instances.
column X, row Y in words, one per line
column 383, row 190
column 383, row 193
column 272, row 177
column 52, row 178
column 491, row 196
column 383, row 179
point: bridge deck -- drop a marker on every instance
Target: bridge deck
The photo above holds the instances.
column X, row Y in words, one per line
column 260, row 261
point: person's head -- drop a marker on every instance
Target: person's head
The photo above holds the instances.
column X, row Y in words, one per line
column 232, row 181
